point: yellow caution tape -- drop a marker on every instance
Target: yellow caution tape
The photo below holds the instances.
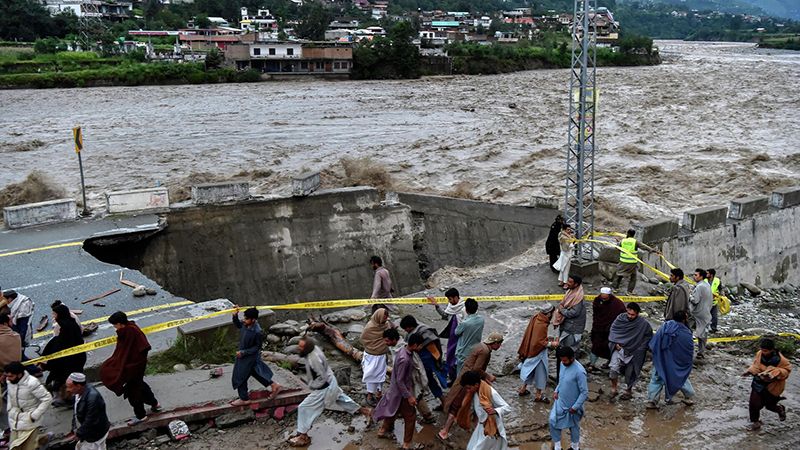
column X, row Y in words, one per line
column 127, row 313
column 39, row 249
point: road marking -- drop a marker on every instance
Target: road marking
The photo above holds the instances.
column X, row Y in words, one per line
column 40, row 249
column 79, row 277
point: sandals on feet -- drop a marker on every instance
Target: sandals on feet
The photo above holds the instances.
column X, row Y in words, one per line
column 626, row 396
column 386, row 435
column 300, row 441
column 524, row 393
column 135, row 421
column 542, row 399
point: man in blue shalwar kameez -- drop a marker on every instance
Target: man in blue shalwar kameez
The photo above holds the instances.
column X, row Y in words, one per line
column 569, row 397
column 248, row 358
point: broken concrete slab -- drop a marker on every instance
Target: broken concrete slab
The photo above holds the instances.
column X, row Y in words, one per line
column 137, row 200
column 743, row 208
column 785, row 197
column 235, row 418
column 305, row 183
column 220, row 192
column 657, row 230
column 53, row 211
column 705, row 218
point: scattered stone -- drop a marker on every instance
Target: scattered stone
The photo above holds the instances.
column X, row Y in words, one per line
column 342, row 375
column 180, row 368
column 196, row 363
column 279, row 413
column 161, row 440
column 593, row 396
column 512, row 105
column 139, row 291
column 751, row 288
column 294, row 340
column 355, row 328
column 358, row 315
column 149, row 435
column 236, row 418
column 284, row 329
column 150, row 291
column 291, row 322
column 292, row 350
column 272, row 339
column 351, row 429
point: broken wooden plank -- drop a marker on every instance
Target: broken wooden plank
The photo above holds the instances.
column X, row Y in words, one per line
column 103, row 295
column 129, row 283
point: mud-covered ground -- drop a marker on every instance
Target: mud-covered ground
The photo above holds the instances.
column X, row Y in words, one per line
column 709, row 124
column 716, row 421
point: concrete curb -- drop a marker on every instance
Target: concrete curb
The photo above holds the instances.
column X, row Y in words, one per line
column 137, row 200
column 53, row 211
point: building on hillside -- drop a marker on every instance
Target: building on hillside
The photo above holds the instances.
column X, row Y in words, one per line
column 292, row 58
column 263, row 20
column 108, row 10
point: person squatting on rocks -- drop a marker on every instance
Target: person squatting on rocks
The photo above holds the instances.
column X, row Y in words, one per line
column 483, row 408
column 552, row 246
column 454, row 312
column 605, row 308
column 565, row 238
column 532, row 354
column 701, row 301
column 628, row 263
column 478, row 360
column 430, row 354
column 400, row 400
column 570, row 315
column 70, row 335
column 90, row 423
column 248, row 357
column 123, row 372
column 28, row 400
column 373, row 362
column 628, row 341
column 325, row 393
column 673, row 353
column 678, row 296
column 568, row 399
column 469, row 333
column 769, row 370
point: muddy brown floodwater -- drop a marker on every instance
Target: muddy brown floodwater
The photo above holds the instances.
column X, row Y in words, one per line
column 709, row 124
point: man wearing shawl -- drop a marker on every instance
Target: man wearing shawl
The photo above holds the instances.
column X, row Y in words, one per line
column 570, row 315
column 454, row 313
column 678, row 296
column 568, row 399
column 123, row 372
column 248, row 358
column 400, row 401
column 373, row 363
column 325, row 393
column 533, row 354
column 430, row 354
column 605, row 308
column 628, row 340
column 673, row 351
column 468, row 332
column 482, row 404
column 770, row 370
column 478, row 360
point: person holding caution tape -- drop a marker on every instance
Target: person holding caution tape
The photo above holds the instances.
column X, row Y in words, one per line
column 628, row 264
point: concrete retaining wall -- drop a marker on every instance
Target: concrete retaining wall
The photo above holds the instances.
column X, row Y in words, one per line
column 155, row 199
column 52, row 211
column 220, row 192
column 464, row 233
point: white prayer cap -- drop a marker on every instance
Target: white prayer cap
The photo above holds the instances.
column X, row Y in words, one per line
column 77, row 377
column 547, row 308
column 605, row 290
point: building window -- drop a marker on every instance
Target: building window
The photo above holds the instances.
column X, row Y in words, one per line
column 272, row 51
column 256, row 51
column 304, row 65
column 336, row 65
column 319, row 65
column 290, row 51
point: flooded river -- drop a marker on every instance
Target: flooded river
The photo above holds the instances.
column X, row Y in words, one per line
column 711, row 123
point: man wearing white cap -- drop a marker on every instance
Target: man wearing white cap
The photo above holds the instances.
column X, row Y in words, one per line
column 89, row 419
column 605, row 309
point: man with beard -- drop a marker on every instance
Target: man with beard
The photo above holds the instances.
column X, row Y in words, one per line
column 400, row 401
column 570, row 315
column 454, row 313
column 123, row 372
column 605, row 308
column 325, row 393
column 430, row 354
column 629, row 337
column 678, row 297
column 28, row 400
column 533, row 354
column 568, row 399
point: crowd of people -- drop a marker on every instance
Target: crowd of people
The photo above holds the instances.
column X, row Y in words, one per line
column 455, row 374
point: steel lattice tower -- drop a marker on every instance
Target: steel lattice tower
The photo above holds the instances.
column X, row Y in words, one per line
column 579, row 196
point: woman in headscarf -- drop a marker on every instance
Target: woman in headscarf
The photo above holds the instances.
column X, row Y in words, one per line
column 373, row 364
column 69, row 336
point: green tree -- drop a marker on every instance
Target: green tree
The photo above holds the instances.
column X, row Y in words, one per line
column 24, row 20
column 314, row 22
column 214, row 59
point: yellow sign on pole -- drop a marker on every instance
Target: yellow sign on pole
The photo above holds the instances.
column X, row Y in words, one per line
column 78, row 137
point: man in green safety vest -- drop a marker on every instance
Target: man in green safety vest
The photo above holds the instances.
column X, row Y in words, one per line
column 628, row 264
column 711, row 276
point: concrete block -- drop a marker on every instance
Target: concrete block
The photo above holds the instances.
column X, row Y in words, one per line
column 305, row 184
column 785, row 197
column 392, row 198
column 53, row 211
column 742, row 208
column 220, row 192
column 545, row 202
column 585, row 269
column 705, row 218
column 657, row 230
column 136, row 200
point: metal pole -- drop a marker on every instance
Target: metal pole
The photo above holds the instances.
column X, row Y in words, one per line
column 85, row 211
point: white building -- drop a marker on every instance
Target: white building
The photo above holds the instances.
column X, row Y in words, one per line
column 91, row 8
column 276, row 50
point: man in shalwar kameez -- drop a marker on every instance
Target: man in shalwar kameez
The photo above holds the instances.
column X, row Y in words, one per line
column 487, row 409
column 325, row 393
column 568, row 399
column 373, row 362
column 533, row 354
column 248, row 358
column 454, row 313
column 629, row 339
